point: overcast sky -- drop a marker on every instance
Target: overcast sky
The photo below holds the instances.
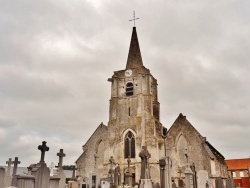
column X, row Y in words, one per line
column 56, row 57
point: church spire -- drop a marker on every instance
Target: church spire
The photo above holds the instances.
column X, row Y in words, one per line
column 134, row 55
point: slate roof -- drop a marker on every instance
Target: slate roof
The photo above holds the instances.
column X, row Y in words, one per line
column 134, row 56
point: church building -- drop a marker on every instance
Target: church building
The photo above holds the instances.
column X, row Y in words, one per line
column 134, row 122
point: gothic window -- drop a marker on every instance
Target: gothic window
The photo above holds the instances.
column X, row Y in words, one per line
column 129, row 143
column 129, row 89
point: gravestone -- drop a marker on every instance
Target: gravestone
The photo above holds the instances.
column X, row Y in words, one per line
column 117, row 175
column 26, row 181
column 40, row 170
column 54, row 182
column 60, row 173
column 202, row 178
column 128, row 175
column 165, row 175
column 8, row 178
column 111, row 172
column 145, row 181
column 14, row 178
column 189, row 182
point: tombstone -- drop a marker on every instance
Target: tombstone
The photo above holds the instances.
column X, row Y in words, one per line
column 128, row 175
column 54, row 182
column 188, row 173
column 40, row 170
column 74, row 173
column 14, row 179
column 219, row 183
column 111, row 172
column 194, row 175
column 8, row 177
column 165, row 175
column 202, row 178
column 26, row 181
column 117, row 175
column 162, row 163
column 60, row 173
column 2, row 177
column 145, row 181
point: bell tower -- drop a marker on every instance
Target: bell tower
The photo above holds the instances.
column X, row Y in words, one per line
column 134, row 111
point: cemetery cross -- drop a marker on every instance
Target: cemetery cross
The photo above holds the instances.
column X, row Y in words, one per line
column 43, row 149
column 9, row 163
column 15, row 162
column 60, row 155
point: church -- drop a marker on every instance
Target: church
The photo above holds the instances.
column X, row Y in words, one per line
column 134, row 122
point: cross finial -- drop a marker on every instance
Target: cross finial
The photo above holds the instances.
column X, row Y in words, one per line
column 43, row 149
column 134, row 18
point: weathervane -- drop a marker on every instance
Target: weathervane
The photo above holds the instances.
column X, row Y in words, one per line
column 134, row 18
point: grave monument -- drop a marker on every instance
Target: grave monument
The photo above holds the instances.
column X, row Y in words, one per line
column 145, row 180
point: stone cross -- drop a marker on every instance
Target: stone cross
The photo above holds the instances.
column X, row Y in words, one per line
column 144, row 155
column 112, row 161
column 9, row 163
column 134, row 18
column 15, row 162
column 74, row 172
column 43, row 149
column 60, row 155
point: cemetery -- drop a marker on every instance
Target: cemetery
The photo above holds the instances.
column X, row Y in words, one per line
column 41, row 176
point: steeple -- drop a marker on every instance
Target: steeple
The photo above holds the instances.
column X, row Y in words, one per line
column 134, row 55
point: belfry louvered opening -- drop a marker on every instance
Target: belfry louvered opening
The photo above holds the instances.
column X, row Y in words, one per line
column 129, row 89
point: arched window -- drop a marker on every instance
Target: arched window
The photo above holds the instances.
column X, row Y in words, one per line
column 129, row 147
column 129, row 89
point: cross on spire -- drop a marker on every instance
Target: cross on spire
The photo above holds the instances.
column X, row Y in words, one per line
column 134, row 18
column 43, row 149
column 60, row 155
